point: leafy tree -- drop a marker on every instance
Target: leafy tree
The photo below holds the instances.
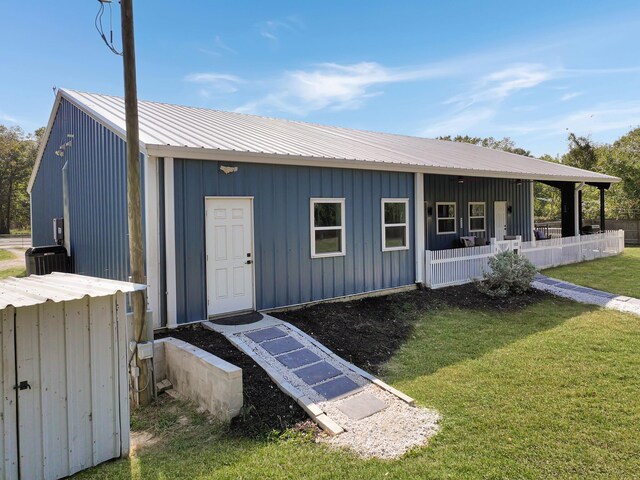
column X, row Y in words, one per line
column 505, row 143
column 17, row 156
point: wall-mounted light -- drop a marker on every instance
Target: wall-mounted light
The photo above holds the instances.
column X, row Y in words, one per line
column 510, row 209
column 429, row 211
column 519, row 182
column 227, row 170
column 460, row 179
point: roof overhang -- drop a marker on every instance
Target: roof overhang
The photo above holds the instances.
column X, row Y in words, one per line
column 192, row 153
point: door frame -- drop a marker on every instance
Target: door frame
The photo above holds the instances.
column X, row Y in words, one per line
column 506, row 218
column 253, row 251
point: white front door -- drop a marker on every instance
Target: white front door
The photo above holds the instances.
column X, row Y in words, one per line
column 229, row 236
column 500, row 220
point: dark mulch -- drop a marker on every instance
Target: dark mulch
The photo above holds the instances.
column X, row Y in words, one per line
column 369, row 331
column 365, row 332
column 266, row 408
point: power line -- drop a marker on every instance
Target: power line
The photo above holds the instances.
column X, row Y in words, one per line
column 100, row 29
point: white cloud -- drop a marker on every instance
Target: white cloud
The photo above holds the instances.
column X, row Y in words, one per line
column 336, row 87
column 503, row 83
column 4, row 117
column 459, row 124
column 600, row 118
column 569, row 96
column 215, row 83
column 270, row 29
column 219, row 48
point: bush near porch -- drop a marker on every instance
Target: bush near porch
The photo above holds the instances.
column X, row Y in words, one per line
column 619, row 274
column 546, row 389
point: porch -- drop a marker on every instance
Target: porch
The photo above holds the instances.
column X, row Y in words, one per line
column 463, row 265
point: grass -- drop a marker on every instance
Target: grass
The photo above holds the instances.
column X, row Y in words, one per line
column 11, row 271
column 549, row 391
column 619, row 274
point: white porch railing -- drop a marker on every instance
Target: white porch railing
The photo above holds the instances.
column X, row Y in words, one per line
column 463, row 265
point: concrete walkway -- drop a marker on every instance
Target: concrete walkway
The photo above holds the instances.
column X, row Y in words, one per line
column 368, row 415
column 587, row 295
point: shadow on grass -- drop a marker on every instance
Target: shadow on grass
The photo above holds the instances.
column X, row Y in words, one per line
column 431, row 329
column 448, row 336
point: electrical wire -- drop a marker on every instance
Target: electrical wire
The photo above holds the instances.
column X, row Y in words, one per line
column 98, row 24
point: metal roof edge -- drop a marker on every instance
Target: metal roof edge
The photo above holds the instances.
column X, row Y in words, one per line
column 44, row 141
column 76, row 102
column 58, row 287
column 195, row 153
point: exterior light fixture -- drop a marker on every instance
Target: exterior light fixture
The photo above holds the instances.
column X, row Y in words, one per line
column 519, row 182
column 510, row 209
column 227, row 170
column 460, row 179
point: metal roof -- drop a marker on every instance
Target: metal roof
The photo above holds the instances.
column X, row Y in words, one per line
column 58, row 287
column 178, row 131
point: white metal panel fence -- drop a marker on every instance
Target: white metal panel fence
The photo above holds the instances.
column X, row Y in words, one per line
column 464, row 265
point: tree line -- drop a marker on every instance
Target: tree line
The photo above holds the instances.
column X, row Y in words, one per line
column 620, row 158
column 18, row 152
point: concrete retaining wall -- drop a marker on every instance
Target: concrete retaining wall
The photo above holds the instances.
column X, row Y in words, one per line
column 209, row 381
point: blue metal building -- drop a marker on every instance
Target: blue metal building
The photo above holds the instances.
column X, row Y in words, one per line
column 244, row 212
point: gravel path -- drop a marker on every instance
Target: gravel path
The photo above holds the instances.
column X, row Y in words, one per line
column 389, row 433
column 587, row 295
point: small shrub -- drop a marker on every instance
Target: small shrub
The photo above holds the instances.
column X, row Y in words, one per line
column 511, row 274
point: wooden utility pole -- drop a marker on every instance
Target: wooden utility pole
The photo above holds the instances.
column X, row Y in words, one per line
column 144, row 388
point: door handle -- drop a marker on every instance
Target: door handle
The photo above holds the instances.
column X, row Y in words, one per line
column 23, row 385
column 249, row 262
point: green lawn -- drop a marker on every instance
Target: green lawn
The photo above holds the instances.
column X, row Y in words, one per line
column 550, row 391
column 620, row 274
column 6, row 255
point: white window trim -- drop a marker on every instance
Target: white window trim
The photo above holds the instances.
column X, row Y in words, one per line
column 483, row 217
column 313, row 228
column 455, row 223
column 405, row 224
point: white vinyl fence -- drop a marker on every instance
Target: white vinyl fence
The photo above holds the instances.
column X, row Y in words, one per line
column 463, row 265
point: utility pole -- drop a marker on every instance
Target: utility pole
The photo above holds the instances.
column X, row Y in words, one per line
column 136, row 254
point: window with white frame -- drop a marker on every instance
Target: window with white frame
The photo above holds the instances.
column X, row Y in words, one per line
column 477, row 216
column 395, row 224
column 327, row 227
column 445, row 217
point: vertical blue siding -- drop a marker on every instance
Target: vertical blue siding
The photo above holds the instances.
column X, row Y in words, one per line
column 97, row 194
column 445, row 188
column 285, row 272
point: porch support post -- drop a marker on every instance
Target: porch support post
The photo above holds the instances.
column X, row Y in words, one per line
column 532, row 212
column 577, row 210
column 602, row 219
column 419, row 230
column 580, row 216
column 170, row 243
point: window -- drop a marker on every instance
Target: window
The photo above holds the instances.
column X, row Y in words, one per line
column 395, row 224
column 445, row 217
column 476, row 217
column 327, row 227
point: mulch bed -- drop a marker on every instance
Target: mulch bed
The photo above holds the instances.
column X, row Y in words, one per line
column 369, row 331
column 266, row 408
column 366, row 332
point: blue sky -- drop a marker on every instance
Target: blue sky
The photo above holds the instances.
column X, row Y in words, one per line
column 528, row 70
